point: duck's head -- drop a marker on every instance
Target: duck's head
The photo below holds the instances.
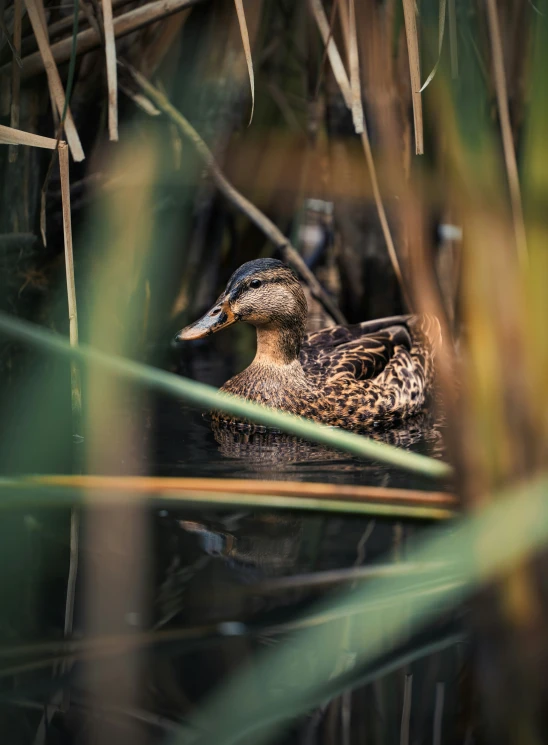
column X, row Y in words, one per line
column 265, row 293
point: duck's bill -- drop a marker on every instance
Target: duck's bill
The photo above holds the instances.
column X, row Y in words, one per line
column 219, row 317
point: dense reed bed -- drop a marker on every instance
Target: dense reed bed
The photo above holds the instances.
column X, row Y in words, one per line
column 395, row 155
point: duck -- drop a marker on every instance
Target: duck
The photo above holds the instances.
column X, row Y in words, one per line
column 353, row 377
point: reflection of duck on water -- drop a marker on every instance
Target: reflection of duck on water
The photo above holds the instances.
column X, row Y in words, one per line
column 258, row 445
column 352, row 377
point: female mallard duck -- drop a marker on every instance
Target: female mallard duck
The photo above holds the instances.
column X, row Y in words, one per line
column 345, row 376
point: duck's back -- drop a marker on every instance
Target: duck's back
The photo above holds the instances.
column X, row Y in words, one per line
column 374, row 371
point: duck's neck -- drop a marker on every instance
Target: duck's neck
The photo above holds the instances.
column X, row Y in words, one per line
column 279, row 345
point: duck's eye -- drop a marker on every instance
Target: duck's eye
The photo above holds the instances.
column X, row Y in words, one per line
column 255, row 283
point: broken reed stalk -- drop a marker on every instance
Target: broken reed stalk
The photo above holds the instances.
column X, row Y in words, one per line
column 15, row 75
column 46, row 56
column 414, row 71
column 112, row 78
column 10, row 136
column 344, row 85
column 88, row 39
column 206, row 398
column 273, row 233
column 506, row 129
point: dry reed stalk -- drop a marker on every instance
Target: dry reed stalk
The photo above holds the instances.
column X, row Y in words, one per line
column 272, row 232
column 354, row 66
column 46, row 56
column 506, row 129
column 88, row 39
column 9, row 136
column 112, row 80
column 247, row 50
column 15, row 74
column 414, row 71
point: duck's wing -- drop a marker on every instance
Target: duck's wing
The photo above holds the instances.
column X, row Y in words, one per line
column 349, row 352
column 336, row 335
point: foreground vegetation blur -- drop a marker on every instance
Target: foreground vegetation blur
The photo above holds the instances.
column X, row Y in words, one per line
column 393, row 152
